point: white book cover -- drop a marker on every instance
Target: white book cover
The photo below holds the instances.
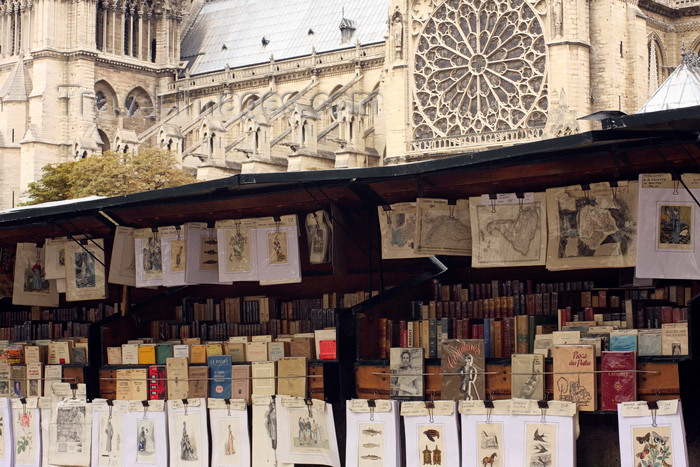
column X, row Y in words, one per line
column 373, row 429
column 306, row 433
column 230, row 438
column 651, row 437
column 278, row 250
column 172, row 248
column 238, row 252
column 431, row 434
column 108, row 430
column 188, row 432
column 146, row 434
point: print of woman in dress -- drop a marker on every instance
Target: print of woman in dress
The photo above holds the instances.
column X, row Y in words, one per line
column 229, row 447
column 188, row 450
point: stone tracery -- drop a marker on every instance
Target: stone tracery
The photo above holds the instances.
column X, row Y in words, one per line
column 479, row 67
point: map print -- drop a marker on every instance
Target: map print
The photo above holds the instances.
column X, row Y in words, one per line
column 398, row 230
column 443, row 227
column 594, row 228
column 508, row 233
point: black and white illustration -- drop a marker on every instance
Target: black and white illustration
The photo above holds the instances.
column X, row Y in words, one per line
column 145, row 441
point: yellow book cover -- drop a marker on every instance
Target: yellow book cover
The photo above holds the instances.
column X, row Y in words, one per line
column 291, row 376
column 147, row 354
column 198, row 354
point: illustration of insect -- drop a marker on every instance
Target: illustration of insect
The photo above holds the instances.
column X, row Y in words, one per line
column 643, row 439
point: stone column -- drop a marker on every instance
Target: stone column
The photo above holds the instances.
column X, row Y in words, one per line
column 140, row 49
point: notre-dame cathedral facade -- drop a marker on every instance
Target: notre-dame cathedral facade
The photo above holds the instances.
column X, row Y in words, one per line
column 234, row 86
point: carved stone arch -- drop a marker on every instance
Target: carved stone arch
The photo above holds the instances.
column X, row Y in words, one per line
column 656, row 53
column 105, row 140
column 138, row 103
column 207, row 107
column 695, row 47
column 106, row 101
column 249, row 102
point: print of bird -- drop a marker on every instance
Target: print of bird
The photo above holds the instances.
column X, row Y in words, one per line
column 432, row 434
column 540, row 449
column 538, row 436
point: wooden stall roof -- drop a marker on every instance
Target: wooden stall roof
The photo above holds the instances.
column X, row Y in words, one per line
column 665, row 141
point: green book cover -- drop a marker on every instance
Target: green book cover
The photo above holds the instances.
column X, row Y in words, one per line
column 163, row 352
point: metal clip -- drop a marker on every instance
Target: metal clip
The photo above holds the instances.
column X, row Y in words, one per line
column 372, row 404
column 109, row 407
column 185, row 403
column 488, row 403
column 543, row 405
column 228, row 406
column 74, row 388
column 24, row 405
column 653, row 407
column 430, row 405
column 492, row 197
column 309, row 405
column 145, row 408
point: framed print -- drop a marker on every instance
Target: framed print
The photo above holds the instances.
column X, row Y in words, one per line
column 238, row 254
column 188, row 433
column 122, row 267
column 230, row 437
column 108, row 422
column 431, row 434
column 149, row 260
column 172, row 248
column 146, row 434
column 85, row 270
column 373, row 429
column 30, row 286
column 278, row 250
column 483, row 433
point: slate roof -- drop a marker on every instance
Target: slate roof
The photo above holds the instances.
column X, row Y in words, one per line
column 681, row 89
column 18, row 84
column 232, row 31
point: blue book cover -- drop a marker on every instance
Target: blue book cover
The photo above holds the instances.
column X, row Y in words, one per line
column 219, row 376
column 623, row 342
column 487, row 337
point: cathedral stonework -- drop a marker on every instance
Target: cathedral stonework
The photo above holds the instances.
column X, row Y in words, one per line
column 229, row 89
column 479, row 67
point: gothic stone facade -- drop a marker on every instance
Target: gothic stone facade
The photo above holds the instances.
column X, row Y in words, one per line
column 84, row 76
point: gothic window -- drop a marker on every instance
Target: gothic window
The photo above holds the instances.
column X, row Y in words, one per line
column 138, row 102
column 479, row 67
column 656, row 74
column 153, row 50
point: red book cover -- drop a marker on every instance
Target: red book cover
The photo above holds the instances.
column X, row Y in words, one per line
column 157, row 383
column 666, row 314
column 327, row 350
column 588, row 313
column 617, row 386
column 403, row 333
column 530, row 304
column 383, row 348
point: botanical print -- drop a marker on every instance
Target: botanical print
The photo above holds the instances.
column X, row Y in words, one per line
column 69, row 429
column 675, row 227
column 370, row 444
column 209, row 258
column 541, row 444
column 490, row 444
column 177, row 255
column 109, row 439
column 84, row 266
column 277, row 247
column 188, row 438
column 26, row 436
column 229, row 437
column 152, row 266
column 431, row 444
column 145, row 441
column 238, row 259
column 652, row 446
column 309, row 431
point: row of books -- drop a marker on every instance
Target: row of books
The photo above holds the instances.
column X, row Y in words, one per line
column 35, row 379
column 219, row 378
column 9, row 318
column 45, row 351
column 211, row 330
column 320, row 344
column 33, row 330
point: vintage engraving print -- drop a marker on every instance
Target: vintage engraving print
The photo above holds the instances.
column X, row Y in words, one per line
column 145, row 441
column 264, row 432
column 370, row 444
column 230, row 454
column 398, row 230
column 443, row 227
column 489, row 444
column 431, row 444
column 541, row 444
column 277, row 247
column 27, row 436
column 70, row 436
column 188, row 438
column 652, row 446
column 238, row 256
column 674, row 227
column 152, row 266
column 309, row 432
column 177, row 255
column 109, row 439
column 209, row 258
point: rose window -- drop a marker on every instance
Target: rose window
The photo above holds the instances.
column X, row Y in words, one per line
column 479, row 67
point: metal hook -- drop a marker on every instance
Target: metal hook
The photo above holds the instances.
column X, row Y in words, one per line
column 653, row 407
column 74, row 389
column 228, row 406
column 24, row 405
column 371, row 403
column 488, row 403
column 543, row 405
column 492, row 198
column 430, row 405
column 309, row 404
column 676, row 183
column 185, row 403
column 145, row 408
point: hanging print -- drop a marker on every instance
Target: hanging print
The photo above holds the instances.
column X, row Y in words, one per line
column 541, row 444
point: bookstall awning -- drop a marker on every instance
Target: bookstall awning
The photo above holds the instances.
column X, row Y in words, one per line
column 664, row 141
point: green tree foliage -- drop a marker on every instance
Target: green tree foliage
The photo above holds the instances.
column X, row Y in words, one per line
column 108, row 174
